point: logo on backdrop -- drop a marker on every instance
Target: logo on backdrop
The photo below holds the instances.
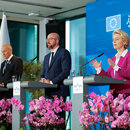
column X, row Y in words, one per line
column 113, row 23
column 128, row 21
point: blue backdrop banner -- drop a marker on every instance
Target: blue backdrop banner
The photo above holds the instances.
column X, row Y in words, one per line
column 102, row 18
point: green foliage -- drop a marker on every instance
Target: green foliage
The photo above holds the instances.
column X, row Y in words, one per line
column 21, row 129
column 2, row 127
column 5, row 126
column 31, row 72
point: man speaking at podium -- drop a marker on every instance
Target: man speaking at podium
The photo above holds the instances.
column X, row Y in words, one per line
column 56, row 67
column 12, row 66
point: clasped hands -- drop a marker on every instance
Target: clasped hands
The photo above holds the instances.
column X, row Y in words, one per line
column 43, row 80
column 96, row 64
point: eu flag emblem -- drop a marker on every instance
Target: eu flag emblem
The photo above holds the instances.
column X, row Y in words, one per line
column 113, row 23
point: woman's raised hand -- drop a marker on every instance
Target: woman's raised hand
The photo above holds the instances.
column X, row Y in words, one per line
column 95, row 64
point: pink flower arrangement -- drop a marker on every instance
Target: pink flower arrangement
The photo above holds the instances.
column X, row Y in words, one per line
column 111, row 113
column 5, row 109
column 45, row 112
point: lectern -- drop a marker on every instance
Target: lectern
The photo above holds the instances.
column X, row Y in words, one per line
column 79, row 98
column 16, row 115
column 3, row 89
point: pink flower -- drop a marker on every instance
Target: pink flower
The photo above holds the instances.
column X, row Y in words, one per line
column 90, row 102
column 127, row 104
column 67, row 106
column 111, row 107
column 92, row 95
column 21, row 107
column 113, row 124
column 5, row 109
column 45, row 111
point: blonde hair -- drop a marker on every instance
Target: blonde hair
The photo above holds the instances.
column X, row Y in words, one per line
column 124, row 37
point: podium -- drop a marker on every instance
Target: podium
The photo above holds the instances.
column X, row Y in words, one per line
column 79, row 98
column 17, row 116
column 3, row 89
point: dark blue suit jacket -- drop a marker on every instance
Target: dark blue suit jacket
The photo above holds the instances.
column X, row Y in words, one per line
column 14, row 67
column 58, row 70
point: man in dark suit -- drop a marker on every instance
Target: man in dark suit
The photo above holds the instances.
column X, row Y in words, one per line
column 56, row 67
column 12, row 66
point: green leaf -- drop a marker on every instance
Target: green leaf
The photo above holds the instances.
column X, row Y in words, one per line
column 21, row 128
column 2, row 127
column 32, row 72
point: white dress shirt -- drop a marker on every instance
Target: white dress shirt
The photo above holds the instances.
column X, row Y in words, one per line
column 53, row 54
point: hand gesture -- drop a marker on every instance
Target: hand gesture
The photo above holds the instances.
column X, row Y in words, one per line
column 95, row 64
column 42, row 80
column 111, row 63
column 47, row 81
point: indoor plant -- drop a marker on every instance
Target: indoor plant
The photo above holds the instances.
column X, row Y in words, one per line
column 108, row 112
column 31, row 72
column 45, row 113
column 6, row 113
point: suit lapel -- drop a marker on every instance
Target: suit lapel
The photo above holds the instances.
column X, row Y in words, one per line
column 54, row 58
column 47, row 60
column 120, row 61
column 11, row 60
column 2, row 67
column 7, row 68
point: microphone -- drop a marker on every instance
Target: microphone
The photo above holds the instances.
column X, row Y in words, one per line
column 33, row 59
column 88, row 62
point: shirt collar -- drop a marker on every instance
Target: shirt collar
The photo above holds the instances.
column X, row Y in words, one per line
column 123, row 53
column 55, row 50
column 9, row 58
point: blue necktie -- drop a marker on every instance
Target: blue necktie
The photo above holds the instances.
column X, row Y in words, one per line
column 5, row 65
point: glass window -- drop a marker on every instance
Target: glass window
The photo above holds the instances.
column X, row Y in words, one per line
column 24, row 39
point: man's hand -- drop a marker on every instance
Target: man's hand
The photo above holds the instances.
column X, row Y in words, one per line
column 47, row 81
column 111, row 63
column 1, row 85
column 43, row 80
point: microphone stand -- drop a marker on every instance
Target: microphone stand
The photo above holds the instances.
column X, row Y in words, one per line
column 33, row 59
column 88, row 62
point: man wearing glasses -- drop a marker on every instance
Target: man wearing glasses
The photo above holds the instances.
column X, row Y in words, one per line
column 11, row 66
column 56, row 67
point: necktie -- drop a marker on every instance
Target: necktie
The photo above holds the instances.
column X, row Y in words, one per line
column 52, row 55
column 5, row 65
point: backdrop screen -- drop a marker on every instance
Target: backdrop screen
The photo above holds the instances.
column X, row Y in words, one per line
column 102, row 18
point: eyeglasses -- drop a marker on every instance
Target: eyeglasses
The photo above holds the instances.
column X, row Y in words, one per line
column 51, row 38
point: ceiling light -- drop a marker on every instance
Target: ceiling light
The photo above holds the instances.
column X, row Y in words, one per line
column 34, row 14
